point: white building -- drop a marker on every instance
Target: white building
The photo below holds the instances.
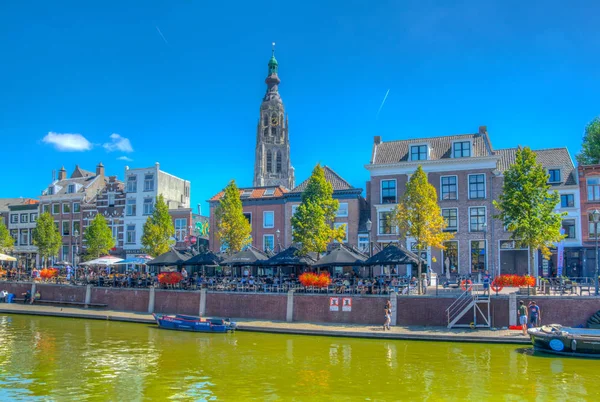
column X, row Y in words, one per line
column 21, row 223
column 142, row 186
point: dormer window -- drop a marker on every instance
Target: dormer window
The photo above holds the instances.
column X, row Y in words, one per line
column 269, row 192
column 554, row 175
column 71, row 189
column 50, row 190
column 246, row 193
column 418, row 153
column 461, row 149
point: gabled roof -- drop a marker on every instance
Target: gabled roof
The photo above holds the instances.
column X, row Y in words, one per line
column 79, row 172
column 550, row 158
column 5, row 202
column 332, row 177
column 439, row 147
column 255, row 193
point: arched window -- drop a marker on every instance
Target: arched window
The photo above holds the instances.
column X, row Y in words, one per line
column 278, row 161
column 266, row 120
column 266, row 131
column 269, row 161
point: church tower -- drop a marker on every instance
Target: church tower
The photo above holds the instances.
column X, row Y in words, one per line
column 272, row 164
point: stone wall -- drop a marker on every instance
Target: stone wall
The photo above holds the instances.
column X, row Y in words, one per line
column 122, row 299
column 248, row 305
column 176, row 302
column 61, row 293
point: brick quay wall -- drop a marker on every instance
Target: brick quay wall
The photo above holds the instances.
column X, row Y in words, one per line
column 366, row 310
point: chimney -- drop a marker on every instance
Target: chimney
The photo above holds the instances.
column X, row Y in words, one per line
column 112, row 179
column 100, row 169
column 482, row 130
column 62, row 173
column 377, row 139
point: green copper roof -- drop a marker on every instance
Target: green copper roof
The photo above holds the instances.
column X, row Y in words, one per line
column 273, row 61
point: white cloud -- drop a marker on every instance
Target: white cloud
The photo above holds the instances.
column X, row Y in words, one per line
column 118, row 143
column 68, row 142
column 124, row 158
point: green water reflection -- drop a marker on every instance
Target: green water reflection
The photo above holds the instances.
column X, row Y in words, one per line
column 62, row 359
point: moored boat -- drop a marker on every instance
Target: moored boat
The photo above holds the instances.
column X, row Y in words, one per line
column 561, row 340
column 192, row 323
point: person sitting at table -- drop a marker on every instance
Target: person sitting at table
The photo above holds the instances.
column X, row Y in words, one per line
column 36, row 296
column 3, row 296
column 26, row 297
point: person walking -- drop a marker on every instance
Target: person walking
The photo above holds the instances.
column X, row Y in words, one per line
column 388, row 316
column 535, row 318
column 523, row 316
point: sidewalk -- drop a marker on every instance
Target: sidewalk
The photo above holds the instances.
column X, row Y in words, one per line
column 321, row 329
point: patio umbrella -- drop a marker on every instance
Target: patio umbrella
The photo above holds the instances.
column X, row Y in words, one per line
column 106, row 260
column 207, row 258
column 250, row 256
column 171, row 257
column 65, row 263
column 291, row 257
column 394, row 255
column 341, row 257
column 4, row 257
column 134, row 260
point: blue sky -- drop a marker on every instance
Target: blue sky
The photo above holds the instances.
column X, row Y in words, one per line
column 189, row 98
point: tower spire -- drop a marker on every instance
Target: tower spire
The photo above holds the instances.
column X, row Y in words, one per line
column 273, row 50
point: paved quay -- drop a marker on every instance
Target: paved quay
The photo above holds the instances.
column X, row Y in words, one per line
column 299, row 328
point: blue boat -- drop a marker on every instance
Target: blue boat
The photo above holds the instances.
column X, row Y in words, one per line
column 192, row 323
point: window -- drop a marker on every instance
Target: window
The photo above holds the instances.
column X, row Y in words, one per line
column 449, row 188
column 476, row 186
column 50, row 191
column 462, row 149
column 55, row 209
column 149, row 182
column 76, row 228
column 278, row 165
column 24, row 218
column 180, row 229
column 65, row 253
column 46, row 208
column 130, row 239
column 554, row 175
column 66, row 208
column 294, row 209
column 268, row 219
column 388, row 191
column 568, row 226
column 246, row 193
column 131, row 207
column 131, row 184
column 593, row 189
column 14, row 233
column 567, row 201
column 14, row 218
column 71, row 188
column 111, row 199
column 33, row 217
column 337, row 225
column 478, row 256
column 115, row 231
column 269, row 192
column 342, row 209
column 24, row 237
column 385, row 222
column 476, row 219
column 266, row 120
column 148, row 206
column 248, row 215
column 418, row 153
column 363, row 242
column 76, row 208
column 450, row 216
column 268, row 242
column 269, row 161
column 66, row 231
column 450, row 257
column 592, row 230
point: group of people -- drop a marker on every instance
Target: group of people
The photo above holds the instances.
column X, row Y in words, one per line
column 529, row 316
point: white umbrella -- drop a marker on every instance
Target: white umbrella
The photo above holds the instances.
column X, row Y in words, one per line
column 4, row 257
column 106, row 260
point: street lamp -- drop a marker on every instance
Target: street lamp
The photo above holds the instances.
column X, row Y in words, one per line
column 278, row 233
column 369, row 225
column 596, row 217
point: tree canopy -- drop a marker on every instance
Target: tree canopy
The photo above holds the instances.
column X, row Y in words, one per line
column 6, row 240
column 98, row 237
column 46, row 237
column 527, row 206
column 233, row 229
column 313, row 223
column 419, row 217
column 590, row 149
column 158, row 229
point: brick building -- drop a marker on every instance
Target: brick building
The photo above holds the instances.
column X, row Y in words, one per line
column 467, row 174
column 589, row 189
column 22, row 218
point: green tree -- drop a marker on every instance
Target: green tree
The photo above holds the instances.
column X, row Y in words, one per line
column 98, row 237
column 46, row 237
column 419, row 217
column 590, row 149
column 233, row 229
column 312, row 223
column 527, row 207
column 158, row 229
column 6, row 240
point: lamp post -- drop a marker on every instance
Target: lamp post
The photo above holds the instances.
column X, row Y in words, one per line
column 278, row 233
column 596, row 218
column 369, row 226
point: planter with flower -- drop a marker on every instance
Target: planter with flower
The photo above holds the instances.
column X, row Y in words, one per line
column 48, row 273
column 170, row 278
column 311, row 279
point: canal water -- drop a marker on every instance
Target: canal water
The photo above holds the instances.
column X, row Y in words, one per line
column 45, row 358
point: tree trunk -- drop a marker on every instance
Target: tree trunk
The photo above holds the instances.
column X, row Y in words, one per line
column 531, row 262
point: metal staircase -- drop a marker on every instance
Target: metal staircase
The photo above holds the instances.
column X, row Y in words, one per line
column 475, row 300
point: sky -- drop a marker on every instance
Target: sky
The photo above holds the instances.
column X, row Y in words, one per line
column 180, row 82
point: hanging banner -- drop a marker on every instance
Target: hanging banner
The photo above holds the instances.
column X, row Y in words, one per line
column 346, row 304
column 560, row 254
column 334, row 304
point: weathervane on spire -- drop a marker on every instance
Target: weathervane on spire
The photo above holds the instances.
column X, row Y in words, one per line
column 273, row 49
